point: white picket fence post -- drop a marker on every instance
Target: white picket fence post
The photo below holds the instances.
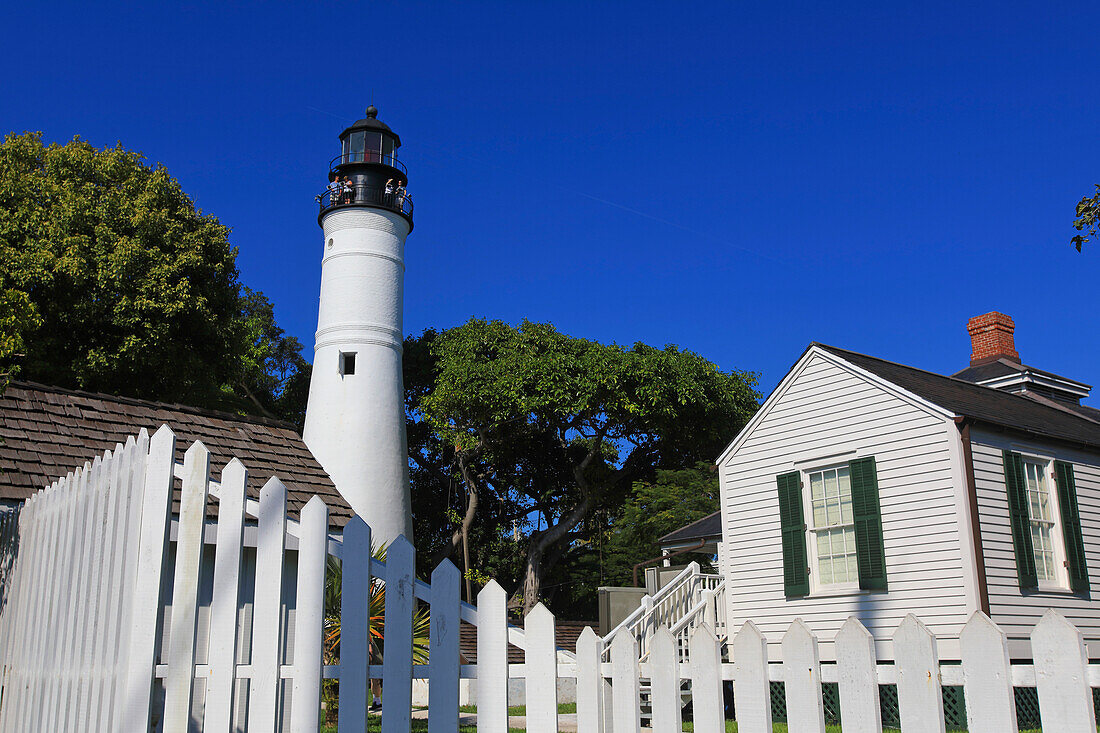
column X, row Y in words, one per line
column 309, row 617
column 541, row 664
column 222, row 658
column 492, row 659
column 1061, row 676
column 626, row 714
column 397, row 670
column 443, row 649
column 706, row 678
column 751, row 690
column 156, row 505
column 355, row 570
column 987, row 676
column 857, row 678
column 590, row 683
column 920, row 702
column 664, row 682
column 179, row 685
column 267, row 612
column 802, row 679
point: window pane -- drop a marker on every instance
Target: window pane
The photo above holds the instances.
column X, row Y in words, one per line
column 819, row 514
column 845, row 480
column 834, row 511
column 816, row 486
column 853, row 569
column 830, row 483
column 1044, row 551
column 1044, row 505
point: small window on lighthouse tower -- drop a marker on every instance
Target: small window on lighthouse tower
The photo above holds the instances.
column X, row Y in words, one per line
column 347, row 362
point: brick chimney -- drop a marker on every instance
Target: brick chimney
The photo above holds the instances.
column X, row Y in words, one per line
column 991, row 338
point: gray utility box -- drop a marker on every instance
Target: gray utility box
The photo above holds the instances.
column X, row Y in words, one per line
column 616, row 604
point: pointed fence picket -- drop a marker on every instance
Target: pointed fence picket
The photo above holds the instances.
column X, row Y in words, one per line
column 443, row 648
column 856, row 680
column 664, row 682
column 85, row 635
column 1062, row 676
column 751, row 691
column 542, row 671
column 267, row 611
column 802, row 679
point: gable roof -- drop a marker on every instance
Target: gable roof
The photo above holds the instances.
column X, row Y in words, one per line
column 707, row 528
column 48, row 431
column 980, row 403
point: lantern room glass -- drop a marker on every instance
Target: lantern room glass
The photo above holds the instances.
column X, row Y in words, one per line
column 367, row 146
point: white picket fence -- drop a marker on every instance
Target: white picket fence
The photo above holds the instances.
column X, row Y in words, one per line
column 1060, row 671
column 88, row 641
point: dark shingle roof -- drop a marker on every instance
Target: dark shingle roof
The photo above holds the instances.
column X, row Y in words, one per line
column 983, row 404
column 707, row 528
column 48, row 431
column 1002, row 368
column 982, row 372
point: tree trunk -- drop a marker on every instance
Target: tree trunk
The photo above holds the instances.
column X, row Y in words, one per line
column 459, row 536
column 537, row 548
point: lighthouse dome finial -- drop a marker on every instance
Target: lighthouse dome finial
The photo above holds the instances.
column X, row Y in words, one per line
column 372, row 112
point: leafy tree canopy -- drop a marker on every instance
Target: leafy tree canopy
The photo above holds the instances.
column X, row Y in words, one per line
column 1088, row 218
column 673, row 499
column 562, row 427
column 112, row 280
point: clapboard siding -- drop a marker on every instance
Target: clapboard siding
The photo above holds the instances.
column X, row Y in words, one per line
column 825, row 408
column 1014, row 611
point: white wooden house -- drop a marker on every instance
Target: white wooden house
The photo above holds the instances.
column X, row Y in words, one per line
column 871, row 489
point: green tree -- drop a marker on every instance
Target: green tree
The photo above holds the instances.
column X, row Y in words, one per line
column 1088, row 218
column 673, row 499
column 448, row 520
column 562, row 427
column 112, row 280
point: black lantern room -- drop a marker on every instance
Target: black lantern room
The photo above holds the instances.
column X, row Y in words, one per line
column 367, row 171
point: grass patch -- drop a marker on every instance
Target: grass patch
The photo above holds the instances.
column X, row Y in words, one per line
column 374, row 725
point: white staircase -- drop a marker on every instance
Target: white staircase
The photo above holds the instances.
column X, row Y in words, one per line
column 690, row 599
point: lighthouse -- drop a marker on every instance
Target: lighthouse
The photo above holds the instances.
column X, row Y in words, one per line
column 355, row 417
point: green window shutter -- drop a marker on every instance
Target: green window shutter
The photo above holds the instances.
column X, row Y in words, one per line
column 796, row 579
column 1016, row 485
column 870, row 552
column 1071, row 527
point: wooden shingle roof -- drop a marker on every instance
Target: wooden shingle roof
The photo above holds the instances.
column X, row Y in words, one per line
column 48, row 431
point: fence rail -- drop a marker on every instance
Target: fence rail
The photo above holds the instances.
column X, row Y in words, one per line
column 108, row 623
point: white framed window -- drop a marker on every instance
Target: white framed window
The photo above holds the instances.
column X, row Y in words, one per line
column 1044, row 516
column 831, row 530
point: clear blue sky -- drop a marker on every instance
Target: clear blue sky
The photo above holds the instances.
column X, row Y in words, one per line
column 739, row 179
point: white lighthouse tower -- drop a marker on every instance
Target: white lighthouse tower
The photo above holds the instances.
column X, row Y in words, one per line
column 355, row 418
